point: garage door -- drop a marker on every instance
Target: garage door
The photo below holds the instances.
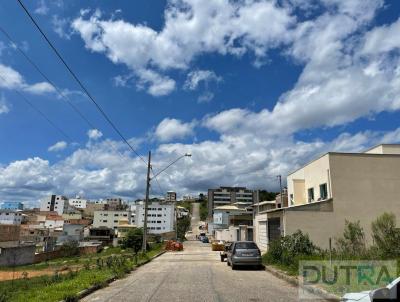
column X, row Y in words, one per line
column 262, row 235
column 274, row 229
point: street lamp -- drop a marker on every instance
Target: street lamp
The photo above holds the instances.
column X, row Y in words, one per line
column 146, row 201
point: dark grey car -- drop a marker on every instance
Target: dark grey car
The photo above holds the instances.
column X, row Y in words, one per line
column 244, row 253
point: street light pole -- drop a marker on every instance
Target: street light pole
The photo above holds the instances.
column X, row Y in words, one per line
column 146, row 203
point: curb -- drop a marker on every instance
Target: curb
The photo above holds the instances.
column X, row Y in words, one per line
column 322, row 293
column 82, row 294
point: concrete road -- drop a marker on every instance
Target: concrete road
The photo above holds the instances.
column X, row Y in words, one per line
column 196, row 274
column 195, row 221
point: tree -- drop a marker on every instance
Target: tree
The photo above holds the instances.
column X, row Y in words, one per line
column 386, row 236
column 133, row 240
column 265, row 195
column 70, row 248
column 353, row 241
column 183, row 226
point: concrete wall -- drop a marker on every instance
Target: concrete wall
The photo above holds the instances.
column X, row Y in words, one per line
column 260, row 218
column 364, row 187
column 20, row 255
column 9, row 232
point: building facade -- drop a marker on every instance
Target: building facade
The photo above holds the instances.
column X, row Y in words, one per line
column 10, row 217
column 78, row 202
column 170, row 196
column 337, row 187
column 110, row 218
column 55, row 203
column 160, row 217
column 12, row 205
column 230, row 195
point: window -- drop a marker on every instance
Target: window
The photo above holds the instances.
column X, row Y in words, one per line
column 104, row 220
column 291, row 200
column 323, row 191
column 311, row 195
column 115, row 221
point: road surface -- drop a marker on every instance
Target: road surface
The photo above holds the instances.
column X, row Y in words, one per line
column 196, row 274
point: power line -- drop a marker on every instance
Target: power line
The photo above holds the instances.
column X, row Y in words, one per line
column 158, row 183
column 26, row 100
column 99, row 108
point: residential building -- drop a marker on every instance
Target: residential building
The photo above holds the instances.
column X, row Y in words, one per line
column 54, row 222
column 91, row 207
column 110, row 218
column 170, row 196
column 337, row 187
column 12, row 205
column 9, row 232
column 229, row 195
column 114, row 204
column 10, row 217
column 55, row 203
column 260, row 222
column 181, row 212
column 71, row 232
column 160, row 217
column 78, row 202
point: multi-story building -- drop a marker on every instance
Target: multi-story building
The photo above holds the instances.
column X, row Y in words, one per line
column 55, row 203
column 337, row 187
column 230, row 195
column 160, row 217
column 170, row 196
column 78, row 202
column 10, row 217
column 12, row 205
column 110, row 218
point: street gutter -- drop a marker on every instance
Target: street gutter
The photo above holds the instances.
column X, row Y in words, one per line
column 82, row 294
column 318, row 291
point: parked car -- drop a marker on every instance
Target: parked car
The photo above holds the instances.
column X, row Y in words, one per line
column 388, row 293
column 205, row 240
column 223, row 254
column 243, row 253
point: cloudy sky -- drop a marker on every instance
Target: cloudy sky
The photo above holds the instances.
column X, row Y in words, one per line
column 252, row 88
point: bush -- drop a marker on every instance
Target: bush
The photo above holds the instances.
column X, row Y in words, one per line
column 353, row 241
column 70, row 248
column 183, row 226
column 133, row 240
column 71, row 298
column 386, row 236
column 290, row 249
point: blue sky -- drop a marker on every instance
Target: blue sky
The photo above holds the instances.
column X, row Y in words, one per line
column 252, row 88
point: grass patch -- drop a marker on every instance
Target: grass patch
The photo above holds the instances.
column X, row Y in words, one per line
column 62, row 286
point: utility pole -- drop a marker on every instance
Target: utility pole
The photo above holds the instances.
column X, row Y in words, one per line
column 146, row 203
column 280, row 186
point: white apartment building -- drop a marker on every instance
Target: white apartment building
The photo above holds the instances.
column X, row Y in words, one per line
column 10, row 217
column 78, row 202
column 160, row 217
column 56, row 203
column 170, row 196
column 111, row 218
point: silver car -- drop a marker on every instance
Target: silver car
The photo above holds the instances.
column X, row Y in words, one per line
column 244, row 253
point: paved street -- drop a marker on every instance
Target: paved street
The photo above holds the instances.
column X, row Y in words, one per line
column 195, row 275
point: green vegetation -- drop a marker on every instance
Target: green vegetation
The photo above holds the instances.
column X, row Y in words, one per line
column 183, row 225
column 265, row 195
column 286, row 252
column 67, row 285
column 203, row 210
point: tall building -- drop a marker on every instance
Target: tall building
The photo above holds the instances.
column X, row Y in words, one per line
column 56, row 203
column 10, row 217
column 230, row 195
column 160, row 217
column 12, row 205
column 78, row 202
column 111, row 218
column 170, row 196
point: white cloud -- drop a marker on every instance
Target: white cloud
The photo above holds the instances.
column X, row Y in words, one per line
column 12, row 79
column 194, row 78
column 169, row 129
column 154, row 83
column 191, row 28
column 4, row 107
column 61, row 27
column 42, row 8
column 94, row 134
column 59, row 146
